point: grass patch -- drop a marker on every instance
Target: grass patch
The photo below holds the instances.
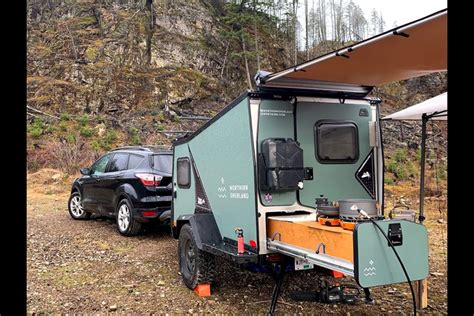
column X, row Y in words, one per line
column 120, row 249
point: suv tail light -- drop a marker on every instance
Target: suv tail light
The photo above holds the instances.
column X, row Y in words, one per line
column 149, row 179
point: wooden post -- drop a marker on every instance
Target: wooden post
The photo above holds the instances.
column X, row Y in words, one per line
column 421, row 293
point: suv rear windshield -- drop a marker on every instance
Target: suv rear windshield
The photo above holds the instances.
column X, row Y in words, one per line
column 163, row 163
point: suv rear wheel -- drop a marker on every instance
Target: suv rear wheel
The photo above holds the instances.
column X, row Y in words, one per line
column 76, row 210
column 126, row 224
column 196, row 266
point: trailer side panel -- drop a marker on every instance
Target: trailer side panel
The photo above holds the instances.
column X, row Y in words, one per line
column 224, row 173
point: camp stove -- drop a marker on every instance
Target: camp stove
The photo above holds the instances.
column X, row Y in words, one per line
column 328, row 214
column 350, row 224
column 329, row 221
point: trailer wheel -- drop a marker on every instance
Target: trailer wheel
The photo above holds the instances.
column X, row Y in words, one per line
column 196, row 266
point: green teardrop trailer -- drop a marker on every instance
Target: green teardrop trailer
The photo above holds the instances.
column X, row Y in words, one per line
column 222, row 182
column 305, row 133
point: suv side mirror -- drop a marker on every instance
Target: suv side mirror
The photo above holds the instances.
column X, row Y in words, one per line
column 85, row 171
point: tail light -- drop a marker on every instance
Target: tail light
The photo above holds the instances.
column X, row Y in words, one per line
column 149, row 179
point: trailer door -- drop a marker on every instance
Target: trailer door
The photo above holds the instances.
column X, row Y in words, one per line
column 335, row 140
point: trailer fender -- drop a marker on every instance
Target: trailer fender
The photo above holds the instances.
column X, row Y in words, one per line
column 204, row 228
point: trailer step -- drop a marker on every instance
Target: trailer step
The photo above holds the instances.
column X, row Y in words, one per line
column 322, row 260
column 230, row 252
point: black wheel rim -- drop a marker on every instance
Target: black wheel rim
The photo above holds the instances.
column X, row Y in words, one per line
column 189, row 256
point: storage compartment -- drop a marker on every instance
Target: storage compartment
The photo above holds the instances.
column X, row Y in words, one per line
column 305, row 232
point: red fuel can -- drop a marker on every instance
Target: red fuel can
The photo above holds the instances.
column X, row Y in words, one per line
column 240, row 240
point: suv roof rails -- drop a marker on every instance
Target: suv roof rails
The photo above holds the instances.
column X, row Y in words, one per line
column 150, row 148
column 132, row 148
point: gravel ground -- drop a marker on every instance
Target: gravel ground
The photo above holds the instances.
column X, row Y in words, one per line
column 86, row 266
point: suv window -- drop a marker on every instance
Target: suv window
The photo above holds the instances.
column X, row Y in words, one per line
column 99, row 166
column 163, row 163
column 134, row 161
column 336, row 142
column 118, row 163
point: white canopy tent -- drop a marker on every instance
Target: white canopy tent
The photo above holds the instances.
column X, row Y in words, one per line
column 435, row 108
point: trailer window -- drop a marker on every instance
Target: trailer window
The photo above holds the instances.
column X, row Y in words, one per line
column 336, row 142
column 184, row 172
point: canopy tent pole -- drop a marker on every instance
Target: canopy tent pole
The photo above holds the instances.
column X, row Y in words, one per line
column 421, row 286
column 424, row 120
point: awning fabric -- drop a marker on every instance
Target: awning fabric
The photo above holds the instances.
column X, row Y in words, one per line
column 411, row 50
column 437, row 106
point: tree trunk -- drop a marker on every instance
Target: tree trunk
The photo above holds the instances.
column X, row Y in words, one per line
column 295, row 33
column 256, row 45
column 225, row 59
column 149, row 29
column 249, row 81
column 306, row 27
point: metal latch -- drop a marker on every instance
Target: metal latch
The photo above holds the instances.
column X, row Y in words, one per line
column 395, row 234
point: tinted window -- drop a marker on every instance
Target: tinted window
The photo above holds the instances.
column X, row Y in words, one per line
column 100, row 165
column 134, row 161
column 118, row 163
column 184, row 173
column 336, row 142
column 163, row 163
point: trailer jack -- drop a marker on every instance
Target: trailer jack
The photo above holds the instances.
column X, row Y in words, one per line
column 278, row 276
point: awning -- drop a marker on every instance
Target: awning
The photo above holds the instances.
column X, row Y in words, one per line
column 435, row 108
column 411, row 50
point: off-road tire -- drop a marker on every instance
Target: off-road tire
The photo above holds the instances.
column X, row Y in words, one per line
column 203, row 269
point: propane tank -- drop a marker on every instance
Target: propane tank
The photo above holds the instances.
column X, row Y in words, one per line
column 240, row 240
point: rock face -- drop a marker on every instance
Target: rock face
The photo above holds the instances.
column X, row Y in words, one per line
column 119, row 56
column 135, row 67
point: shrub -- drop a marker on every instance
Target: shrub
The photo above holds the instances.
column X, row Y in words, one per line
column 36, row 128
column 388, row 181
column 111, row 136
column 95, row 145
column 65, row 117
column 401, row 155
column 83, row 120
column 134, row 137
column 161, row 116
column 63, row 126
column 71, row 138
column 86, row 131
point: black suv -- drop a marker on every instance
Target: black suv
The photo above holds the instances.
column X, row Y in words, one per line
column 132, row 184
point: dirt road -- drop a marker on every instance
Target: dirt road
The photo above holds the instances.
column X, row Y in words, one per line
column 86, row 266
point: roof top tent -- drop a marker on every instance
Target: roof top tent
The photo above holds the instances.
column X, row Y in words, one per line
column 283, row 173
